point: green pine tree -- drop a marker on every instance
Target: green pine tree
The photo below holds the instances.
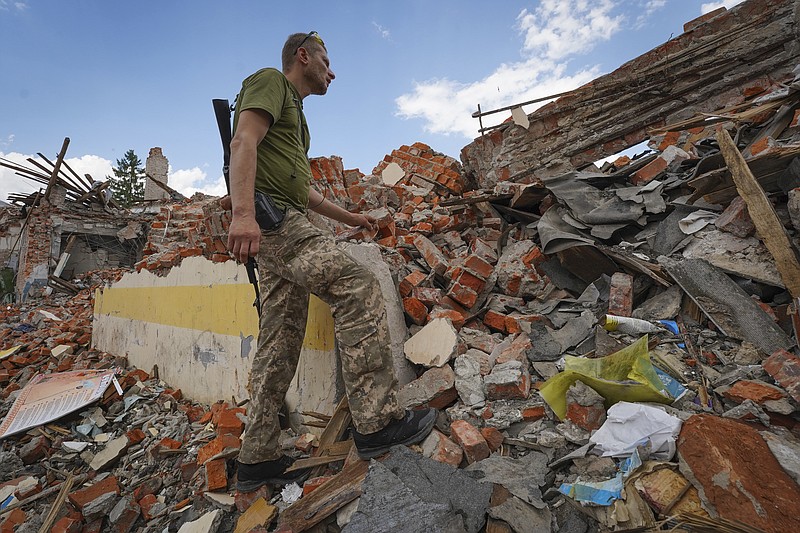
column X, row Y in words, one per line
column 127, row 185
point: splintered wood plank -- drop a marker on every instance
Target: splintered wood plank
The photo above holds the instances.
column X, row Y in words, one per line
column 259, row 514
column 332, row 432
column 331, row 496
column 311, row 462
column 765, row 219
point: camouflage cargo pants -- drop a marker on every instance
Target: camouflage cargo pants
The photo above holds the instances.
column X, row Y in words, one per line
column 293, row 261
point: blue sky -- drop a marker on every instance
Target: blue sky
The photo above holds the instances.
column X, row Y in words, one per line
column 115, row 76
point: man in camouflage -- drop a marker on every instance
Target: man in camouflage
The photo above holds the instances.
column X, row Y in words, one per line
column 268, row 155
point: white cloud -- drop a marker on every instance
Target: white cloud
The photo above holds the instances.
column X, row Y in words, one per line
column 711, row 6
column 189, row 181
column 554, row 31
column 5, row 5
column 559, row 28
column 647, row 9
column 383, row 32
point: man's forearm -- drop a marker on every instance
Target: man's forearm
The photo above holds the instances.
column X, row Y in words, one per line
column 243, row 171
column 326, row 208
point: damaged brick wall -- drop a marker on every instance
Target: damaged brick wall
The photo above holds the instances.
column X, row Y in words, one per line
column 716, row 63
column 35, row 252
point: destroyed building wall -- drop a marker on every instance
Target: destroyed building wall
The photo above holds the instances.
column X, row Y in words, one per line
column 188, row 309
column 716, row 63
column 11, row 221
column 156, row 168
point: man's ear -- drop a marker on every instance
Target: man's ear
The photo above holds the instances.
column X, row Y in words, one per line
column 302, row 55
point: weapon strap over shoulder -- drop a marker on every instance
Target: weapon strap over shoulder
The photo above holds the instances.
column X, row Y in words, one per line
column 222, row 110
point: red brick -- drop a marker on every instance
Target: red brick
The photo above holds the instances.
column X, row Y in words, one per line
column 496, row 321
column 753, row 390
column 470, row 439
column 147, row 503
column 217, row 446
column 314, row 483
column 455, row 317
column 471, row 281
column 67, row 525
column 463, row 295
column 216, row 475
column 135, row 436
column 439, row 448
column 429, row 296
column 229, row 423
column 415, row 310
column 516, row 351
column 12, row 520
column 409, row 282
column 784, row 368
column 479, row 266
column 741, row 478
column 531, row 414
column 509, row 382
column 620, row 300
column 649, row 171
column 762, row 146
column 493, row 438
column 81, row 497
column 244, row 500
column 168, row 443
column 736, row 219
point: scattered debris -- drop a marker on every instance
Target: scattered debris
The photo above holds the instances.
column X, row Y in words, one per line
column 599, row 363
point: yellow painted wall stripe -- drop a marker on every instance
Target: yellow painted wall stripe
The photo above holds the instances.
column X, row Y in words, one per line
column 225, row 309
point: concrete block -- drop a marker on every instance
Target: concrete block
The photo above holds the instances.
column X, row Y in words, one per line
column 585, row 407
column 433, row 345
column 369, row 256
column 123, row 515
column 434, row 388
column 468, row 380
column 508, row 381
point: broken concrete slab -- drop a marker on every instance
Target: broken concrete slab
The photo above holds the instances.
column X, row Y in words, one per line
column 726, row 304
column 433, row 345
column 408, row 492
column 523, row 477
column 468, row 380
column 737, row 479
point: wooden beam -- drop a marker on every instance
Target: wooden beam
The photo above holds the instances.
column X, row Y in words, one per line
column 765, row 219
column 56, row 168
column 331, row 496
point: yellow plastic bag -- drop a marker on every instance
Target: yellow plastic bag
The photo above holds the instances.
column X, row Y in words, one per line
column 626, row 375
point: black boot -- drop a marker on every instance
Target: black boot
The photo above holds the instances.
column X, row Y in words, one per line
column 249, row 477
column 411, row 429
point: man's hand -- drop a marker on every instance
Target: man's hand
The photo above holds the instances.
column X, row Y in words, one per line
column 225, row 203
column 364, row 221
column 244, row 236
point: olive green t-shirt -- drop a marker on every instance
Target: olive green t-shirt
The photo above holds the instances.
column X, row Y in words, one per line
column 283, row 170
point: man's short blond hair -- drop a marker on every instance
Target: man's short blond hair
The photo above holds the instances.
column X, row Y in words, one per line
column 293, row 43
